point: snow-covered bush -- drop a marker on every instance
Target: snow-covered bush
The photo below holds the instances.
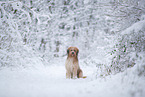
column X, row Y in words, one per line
column 124, row 15
column 130, row 50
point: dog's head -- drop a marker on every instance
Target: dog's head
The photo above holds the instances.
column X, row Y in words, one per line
column 72, row 51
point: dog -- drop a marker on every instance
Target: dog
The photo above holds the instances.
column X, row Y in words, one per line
column 72, row 65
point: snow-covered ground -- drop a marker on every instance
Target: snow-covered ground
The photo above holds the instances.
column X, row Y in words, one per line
column 50, row 81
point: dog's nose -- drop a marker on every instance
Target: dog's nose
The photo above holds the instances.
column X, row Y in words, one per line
column 72, row 52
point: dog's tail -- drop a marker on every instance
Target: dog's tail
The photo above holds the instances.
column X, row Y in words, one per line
column 84, row 77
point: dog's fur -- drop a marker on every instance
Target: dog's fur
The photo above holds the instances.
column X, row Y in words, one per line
column 72, row 65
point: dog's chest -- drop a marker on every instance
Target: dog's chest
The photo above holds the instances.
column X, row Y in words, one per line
column 70, row 64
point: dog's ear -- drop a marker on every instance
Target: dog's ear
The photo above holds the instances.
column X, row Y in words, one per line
column 67, row 51
column 77, row 51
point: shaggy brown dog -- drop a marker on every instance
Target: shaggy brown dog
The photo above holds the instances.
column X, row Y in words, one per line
column 72, row 65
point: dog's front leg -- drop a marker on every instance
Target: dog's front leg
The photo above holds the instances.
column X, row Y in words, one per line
column 74, row 72
column 68, row 74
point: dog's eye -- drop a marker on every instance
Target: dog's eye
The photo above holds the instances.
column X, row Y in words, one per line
column 71, row 50
column 74, row 50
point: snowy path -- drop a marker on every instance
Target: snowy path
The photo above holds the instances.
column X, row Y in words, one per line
column 51, row 82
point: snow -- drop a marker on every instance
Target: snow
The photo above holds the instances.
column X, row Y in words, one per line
column 136, row 27
column 103, row 30
column 50, row 81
